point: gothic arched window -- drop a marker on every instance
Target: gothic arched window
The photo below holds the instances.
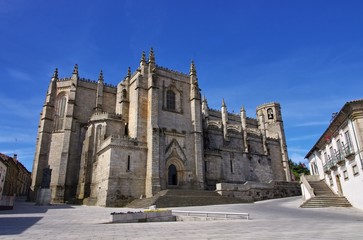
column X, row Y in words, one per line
column 170, row 100
column 60, row 112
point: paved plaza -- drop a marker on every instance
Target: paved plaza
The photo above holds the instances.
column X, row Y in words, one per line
column 272, row 219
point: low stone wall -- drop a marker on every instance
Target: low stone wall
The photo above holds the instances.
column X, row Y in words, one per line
column 7, row 202
column 146, row 216
column 255, row 191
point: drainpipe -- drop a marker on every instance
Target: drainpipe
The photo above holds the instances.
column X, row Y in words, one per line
column 356, row 141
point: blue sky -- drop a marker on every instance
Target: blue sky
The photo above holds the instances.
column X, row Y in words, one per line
column 307, row 55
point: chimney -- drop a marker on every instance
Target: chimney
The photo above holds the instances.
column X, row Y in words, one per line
column 15, row 157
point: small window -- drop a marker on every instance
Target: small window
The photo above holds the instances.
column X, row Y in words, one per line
column 124, row 93
column 170, row 100
column 231, row 165
column 355, row 170
column 128, row 163
column 345, row 174
column 205, row 166
column 126, row 129
column 270, row 113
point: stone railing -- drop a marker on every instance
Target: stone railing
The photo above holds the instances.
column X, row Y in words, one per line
column 306, row 190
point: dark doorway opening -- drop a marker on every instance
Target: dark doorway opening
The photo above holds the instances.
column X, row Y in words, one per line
column 172, row 175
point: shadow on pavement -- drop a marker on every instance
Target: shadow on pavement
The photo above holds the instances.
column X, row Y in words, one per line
column 16, row 225
column 23, row 207
column 14, row 222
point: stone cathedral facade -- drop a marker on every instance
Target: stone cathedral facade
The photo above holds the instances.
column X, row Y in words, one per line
column 151, row 132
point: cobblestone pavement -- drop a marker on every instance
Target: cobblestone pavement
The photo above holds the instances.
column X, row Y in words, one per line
column 279, row 219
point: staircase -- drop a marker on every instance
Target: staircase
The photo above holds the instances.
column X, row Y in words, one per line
column 182, row 198
column 324, row 197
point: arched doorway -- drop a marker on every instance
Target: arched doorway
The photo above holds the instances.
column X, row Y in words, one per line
column 172, row 175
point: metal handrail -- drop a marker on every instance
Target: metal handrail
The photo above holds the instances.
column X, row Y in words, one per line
column 348, row 150
column 226, row 214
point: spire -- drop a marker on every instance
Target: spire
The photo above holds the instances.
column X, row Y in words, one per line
column 75, row 73
column 205, row 106
column 100, row 77
column 129, row 72
column 75, row 70
column 151, row 56
column 193, row 71
column 204, row 99
column 223, row 103
column 55, row 74
column 143, row 58
column 243, row 109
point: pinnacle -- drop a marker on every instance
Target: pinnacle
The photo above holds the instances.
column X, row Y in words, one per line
column 151, row 56
column 143, row 58
column 100, row 78
column 129, row 72
column 204, row 99
column 193, row 71
column 75, row 70
column 55, row 74
column 223, row 103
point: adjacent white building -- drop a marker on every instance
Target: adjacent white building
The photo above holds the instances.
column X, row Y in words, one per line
column 337, row 156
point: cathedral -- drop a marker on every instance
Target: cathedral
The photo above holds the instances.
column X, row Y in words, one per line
column 151, row 132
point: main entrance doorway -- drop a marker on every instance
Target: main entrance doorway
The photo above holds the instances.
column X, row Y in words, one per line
column 172, row 175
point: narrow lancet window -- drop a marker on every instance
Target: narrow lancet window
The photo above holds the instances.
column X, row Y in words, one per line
column 60, row 113
column 128, row 163
column 170, row 100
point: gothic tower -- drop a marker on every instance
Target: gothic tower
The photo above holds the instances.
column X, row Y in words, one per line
column 271, row 125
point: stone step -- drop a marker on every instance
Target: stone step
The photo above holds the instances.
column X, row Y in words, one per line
column 324, row 197
column 321, row 189
column 178, row 198
column 326, row 202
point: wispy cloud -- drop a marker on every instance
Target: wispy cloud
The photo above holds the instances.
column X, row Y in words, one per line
column 14, row 107
column 305, row 137
column 16, row 137
column 297, row 149
column 313, row 123
column 19, row 75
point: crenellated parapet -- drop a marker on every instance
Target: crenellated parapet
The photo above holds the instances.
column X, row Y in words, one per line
column 116, row 141
column 171, row 71
column 86, row 80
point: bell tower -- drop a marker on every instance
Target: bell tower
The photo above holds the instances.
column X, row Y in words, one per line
column 270, row 122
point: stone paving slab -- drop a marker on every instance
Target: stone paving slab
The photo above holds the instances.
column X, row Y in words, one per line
column 279, row 219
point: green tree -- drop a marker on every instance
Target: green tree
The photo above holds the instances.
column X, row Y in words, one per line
column 297, row 169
